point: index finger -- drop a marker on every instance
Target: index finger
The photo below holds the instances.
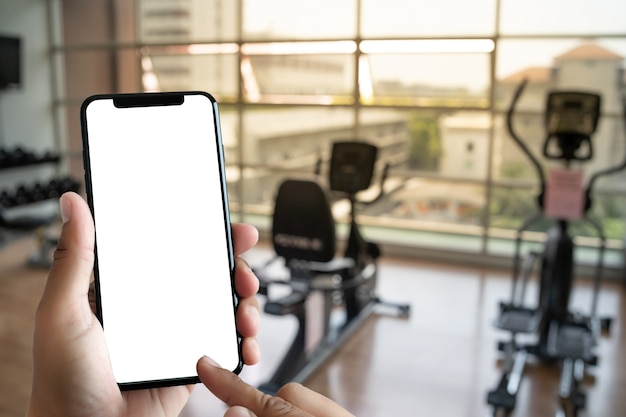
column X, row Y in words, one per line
column 311, row 401
column 232, row 390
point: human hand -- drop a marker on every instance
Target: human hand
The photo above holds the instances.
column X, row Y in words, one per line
column 72, row 374
column 292, row 400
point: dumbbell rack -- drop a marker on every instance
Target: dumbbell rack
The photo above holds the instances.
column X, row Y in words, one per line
column 27, row 194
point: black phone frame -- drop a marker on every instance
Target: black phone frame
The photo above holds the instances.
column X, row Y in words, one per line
column 150, row 99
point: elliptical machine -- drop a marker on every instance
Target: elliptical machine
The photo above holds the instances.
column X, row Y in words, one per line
column 562, row 336
column 331, row 296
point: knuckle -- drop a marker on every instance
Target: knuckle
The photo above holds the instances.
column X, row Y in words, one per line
column 289, row 390
column 276, row 405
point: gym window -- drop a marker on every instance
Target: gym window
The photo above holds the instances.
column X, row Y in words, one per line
column 410, row 76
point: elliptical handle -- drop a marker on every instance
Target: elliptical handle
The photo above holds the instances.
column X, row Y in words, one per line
column 383, row 178
column 381, row 191
column 516, row 138
column 616, row 168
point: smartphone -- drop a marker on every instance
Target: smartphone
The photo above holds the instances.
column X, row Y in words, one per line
column 156, row 186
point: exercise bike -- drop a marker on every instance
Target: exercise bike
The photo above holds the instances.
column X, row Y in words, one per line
column 561, row 336
column 330, row 295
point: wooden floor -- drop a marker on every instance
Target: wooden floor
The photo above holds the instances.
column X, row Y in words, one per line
column 441, row 361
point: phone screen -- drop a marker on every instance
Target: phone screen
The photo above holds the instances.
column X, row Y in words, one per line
column 164, row 265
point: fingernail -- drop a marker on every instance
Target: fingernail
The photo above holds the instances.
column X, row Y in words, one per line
column 66, row 209
column 238, row 411
column 211, row 362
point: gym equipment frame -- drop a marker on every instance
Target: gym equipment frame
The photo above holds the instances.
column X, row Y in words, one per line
column 562, row 336
column 330, row 296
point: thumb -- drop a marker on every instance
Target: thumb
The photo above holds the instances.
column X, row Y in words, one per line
column 71, row 368
column 70, row 273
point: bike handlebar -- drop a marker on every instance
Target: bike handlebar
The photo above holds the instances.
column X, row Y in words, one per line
column 616, row 168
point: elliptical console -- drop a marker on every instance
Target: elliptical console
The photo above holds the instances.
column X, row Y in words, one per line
column 571, row 119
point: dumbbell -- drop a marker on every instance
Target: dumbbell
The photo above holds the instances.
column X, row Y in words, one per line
column 69, row 184
column 22, row 195
column 22, row 157
column 48, row 157
column 39, row 192
column 4, row 158
column 54, row 189
column 6, row 200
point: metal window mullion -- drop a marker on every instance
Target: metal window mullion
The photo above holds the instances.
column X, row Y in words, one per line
column 486, row 218
column 240, row 111
column 356, row 94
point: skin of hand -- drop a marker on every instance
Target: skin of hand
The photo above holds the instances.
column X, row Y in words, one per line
column 292, row 400
column 72, row 374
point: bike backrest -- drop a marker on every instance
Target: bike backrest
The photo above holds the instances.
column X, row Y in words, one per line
column 303, row 226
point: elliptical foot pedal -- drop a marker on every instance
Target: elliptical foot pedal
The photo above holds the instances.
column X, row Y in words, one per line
column 501, row 399
column 572, row 341
column 389, row 308
column 518, row 319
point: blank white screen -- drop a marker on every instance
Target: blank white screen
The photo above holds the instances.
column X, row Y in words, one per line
column 164, row 274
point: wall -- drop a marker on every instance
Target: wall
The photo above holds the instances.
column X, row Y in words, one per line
column 26, row 114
